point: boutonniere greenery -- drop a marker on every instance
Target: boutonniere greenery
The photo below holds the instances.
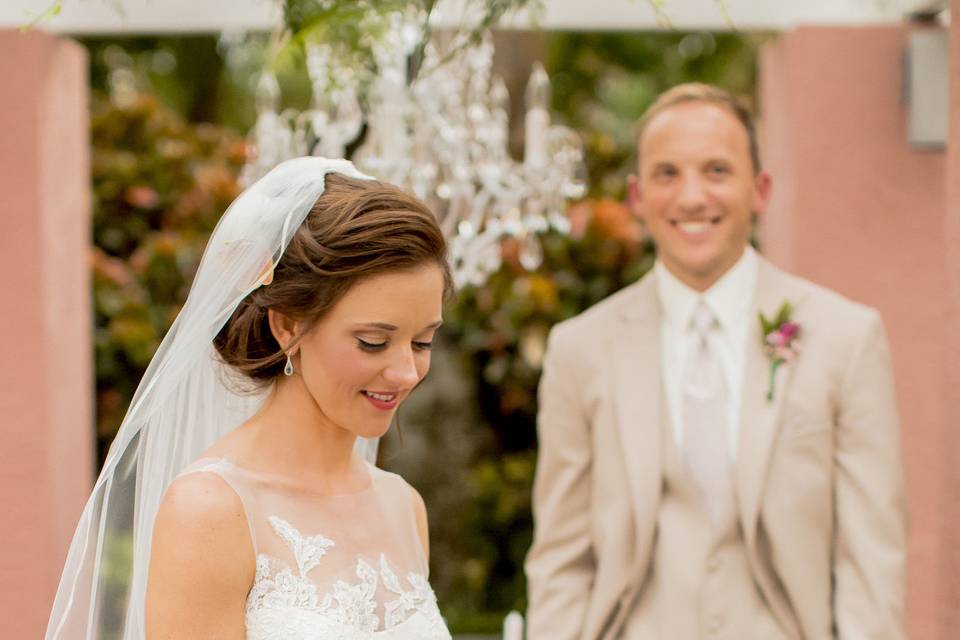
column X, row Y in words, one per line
column 780, row 341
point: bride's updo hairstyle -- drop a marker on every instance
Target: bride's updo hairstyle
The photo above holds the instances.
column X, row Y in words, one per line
column 357, row 229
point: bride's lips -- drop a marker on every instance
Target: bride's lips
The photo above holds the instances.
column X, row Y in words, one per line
column 383, row 400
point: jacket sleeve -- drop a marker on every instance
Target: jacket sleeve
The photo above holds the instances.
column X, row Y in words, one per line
column 560, row 566
column 870, row 532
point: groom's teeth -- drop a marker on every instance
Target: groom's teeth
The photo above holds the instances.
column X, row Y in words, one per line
column 693, row 227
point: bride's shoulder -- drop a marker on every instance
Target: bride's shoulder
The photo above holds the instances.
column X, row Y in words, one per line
column 202, row 489
column 420, row 514
column 412, row 501
column 398, row 484
column 202, row 504
column 201, row 546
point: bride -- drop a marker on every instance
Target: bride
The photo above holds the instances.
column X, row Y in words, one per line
column 241, row 481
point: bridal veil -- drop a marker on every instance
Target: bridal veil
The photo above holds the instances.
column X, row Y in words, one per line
column 183, row 404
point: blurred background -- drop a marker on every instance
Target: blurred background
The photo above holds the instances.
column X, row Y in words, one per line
column 167, row 118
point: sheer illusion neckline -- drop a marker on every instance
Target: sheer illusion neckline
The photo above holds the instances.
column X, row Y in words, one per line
column 345, row 566
column 287, row 601
column 285, row 482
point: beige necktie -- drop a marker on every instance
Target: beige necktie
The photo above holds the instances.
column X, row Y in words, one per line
column 705, row 399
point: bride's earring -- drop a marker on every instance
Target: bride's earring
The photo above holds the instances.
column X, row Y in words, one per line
column 288, row 370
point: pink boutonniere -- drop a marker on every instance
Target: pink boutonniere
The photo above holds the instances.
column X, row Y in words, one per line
column 780, row 341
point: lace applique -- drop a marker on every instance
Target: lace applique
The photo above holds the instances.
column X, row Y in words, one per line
column 347, row 611
column 306, row 551
column 354, row 605
column 420, row 597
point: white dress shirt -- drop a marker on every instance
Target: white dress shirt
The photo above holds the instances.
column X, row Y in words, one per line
column 731, row 300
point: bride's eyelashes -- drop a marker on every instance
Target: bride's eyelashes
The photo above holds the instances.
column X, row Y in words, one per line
column 374, row 347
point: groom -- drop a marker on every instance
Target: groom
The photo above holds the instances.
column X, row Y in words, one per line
column 702, row 474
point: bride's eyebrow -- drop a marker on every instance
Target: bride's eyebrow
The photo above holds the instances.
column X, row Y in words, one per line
column 378, row 325
column 390, row 327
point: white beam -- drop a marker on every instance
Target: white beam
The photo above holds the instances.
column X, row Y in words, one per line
column 91, row 17
column 745, row 15
column 212, row 16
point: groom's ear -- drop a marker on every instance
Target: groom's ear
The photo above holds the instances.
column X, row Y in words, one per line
column 284, row 328
column 762, row 188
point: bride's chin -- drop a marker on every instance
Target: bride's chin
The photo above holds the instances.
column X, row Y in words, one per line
column 374, row 431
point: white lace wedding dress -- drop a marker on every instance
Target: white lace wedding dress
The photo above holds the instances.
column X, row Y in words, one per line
column 340, row 567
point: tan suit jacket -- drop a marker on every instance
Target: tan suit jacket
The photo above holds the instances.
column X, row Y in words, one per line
column 818, row 471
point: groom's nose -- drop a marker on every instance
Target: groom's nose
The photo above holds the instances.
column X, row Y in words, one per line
column 692, row 195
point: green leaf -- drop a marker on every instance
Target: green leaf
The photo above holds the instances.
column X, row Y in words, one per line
column 783, row 314
column 765, row 325
column 50, row 12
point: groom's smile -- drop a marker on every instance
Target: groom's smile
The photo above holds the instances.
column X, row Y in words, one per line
column 696, row 230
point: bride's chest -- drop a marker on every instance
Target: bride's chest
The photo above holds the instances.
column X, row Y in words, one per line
column 315, row 588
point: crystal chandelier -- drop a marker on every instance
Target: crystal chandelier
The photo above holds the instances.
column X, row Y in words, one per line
column 444, row 136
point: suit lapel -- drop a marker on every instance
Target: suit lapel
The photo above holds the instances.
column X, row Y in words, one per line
column 760, row 416
column 638, row 404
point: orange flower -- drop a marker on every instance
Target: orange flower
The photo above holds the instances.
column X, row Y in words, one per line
column 613, row 219
column 580, row 215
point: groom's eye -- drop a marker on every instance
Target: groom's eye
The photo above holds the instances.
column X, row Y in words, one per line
column 718, row 169
column 664, row 172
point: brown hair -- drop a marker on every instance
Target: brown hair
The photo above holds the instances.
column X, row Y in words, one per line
column 698, row 92
column 355, row 230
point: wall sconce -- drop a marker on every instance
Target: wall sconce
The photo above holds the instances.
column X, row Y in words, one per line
column 927, row 88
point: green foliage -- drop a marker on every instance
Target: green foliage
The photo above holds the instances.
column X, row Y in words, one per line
column 42, row 17
column 159, row 186
column 187, row 74
column 502, row 325
column 500, row 330
column 350, row 25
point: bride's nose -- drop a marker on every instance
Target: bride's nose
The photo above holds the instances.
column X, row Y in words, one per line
column 402, row 371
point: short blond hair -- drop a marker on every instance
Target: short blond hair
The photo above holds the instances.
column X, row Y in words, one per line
column 699, row 92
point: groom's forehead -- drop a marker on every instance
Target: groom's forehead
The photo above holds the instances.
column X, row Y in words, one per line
column 694, row 128
column 698, row 116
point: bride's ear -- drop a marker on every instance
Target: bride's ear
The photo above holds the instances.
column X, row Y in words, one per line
column 284, row 329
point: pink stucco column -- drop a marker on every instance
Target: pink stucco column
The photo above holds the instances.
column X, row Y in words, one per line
column 46, row 388
column 951, row 530
column 857, row 209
